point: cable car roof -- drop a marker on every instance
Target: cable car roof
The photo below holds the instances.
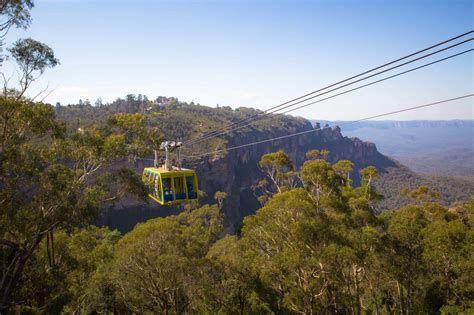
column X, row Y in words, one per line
column 163, row 170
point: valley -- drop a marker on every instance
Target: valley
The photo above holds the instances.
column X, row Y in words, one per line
column 432, row 147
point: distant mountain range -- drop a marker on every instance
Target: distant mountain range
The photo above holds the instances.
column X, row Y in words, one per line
column 435, row 147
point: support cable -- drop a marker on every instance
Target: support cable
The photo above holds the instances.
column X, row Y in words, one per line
column 343, row 124
column 366, row 85
column 302, row 99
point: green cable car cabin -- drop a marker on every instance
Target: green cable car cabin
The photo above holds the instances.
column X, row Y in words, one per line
column 171, row 186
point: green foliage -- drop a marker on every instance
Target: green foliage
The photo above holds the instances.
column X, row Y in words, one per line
column 299, row 253
column 422, row 193
column 133, row 128
column 62, row 274
column 279, row 169
column 448, row 253
column 220, row 196
column 315, row 154
column 157, row 263
column 324, row 183
column 33, row 58
column 231, row 287
column 465, row 211
column 344, row 169
column 14, row 13
column 277, row 161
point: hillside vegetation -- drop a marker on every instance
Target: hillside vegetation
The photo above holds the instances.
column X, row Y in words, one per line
column 177, row 120
column 237, row 172
column 395, row 179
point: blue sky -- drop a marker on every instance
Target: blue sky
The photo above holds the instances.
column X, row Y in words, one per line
column 253, row 53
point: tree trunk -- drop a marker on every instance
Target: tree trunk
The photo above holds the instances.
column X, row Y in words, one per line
column 357, row 289
column 11, row 275
column 374, row 296
column 400, row 297
column 10, row 280
column 241, row 302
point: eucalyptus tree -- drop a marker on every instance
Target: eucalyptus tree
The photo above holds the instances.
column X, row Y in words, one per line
column 73, row 278
column 33, row 58
column 344, row 169
column 312, row 247
column 275, row 165
column 220, row 196
column 13, row 13
column 160, row 264
column 323, row 182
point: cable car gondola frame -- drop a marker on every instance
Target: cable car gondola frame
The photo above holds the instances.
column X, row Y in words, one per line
column 170, row 184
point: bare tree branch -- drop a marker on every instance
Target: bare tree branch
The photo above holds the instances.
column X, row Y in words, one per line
column 40, row 92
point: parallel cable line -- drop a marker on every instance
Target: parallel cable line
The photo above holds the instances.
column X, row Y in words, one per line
column 354, row 89
column 381, row 80
column 273, row 109
column 342, row 124
column 360, row 87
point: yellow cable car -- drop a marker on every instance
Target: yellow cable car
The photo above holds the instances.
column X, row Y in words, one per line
column 169, row 184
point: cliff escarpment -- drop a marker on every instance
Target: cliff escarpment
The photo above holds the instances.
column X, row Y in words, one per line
column 237, row 171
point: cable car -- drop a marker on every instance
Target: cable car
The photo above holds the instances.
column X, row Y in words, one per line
column 170, row 184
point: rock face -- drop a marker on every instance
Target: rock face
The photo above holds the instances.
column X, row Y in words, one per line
column 237, row 171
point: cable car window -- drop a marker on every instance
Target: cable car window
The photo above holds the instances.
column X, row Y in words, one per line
column 155, row 183
column 157, row 191
column 179, row 187
column 168, row 194
column 190, row 185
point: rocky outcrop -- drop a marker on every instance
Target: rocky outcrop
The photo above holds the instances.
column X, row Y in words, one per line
column 237, row 171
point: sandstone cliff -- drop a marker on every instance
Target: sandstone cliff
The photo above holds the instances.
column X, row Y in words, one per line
column 236, row 171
